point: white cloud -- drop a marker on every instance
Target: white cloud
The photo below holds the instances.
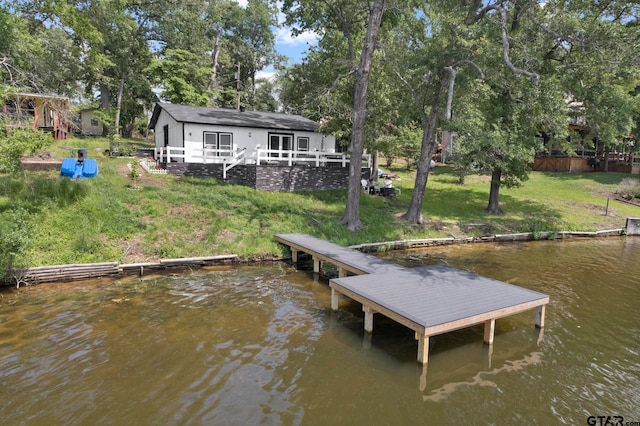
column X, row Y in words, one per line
column 267, row 75
column 284, row 36
column 242, row 3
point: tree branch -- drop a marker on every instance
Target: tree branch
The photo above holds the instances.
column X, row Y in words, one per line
column 412, row 89
column 556, row 35
column 5, row 63
column 476, row 15
column 334, row 85
column 505, row 49
column 452, row 81
column 473, row 64
column 452, row 77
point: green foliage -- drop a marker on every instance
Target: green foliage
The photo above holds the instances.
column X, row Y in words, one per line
column 15, row 236
column 629, row 188
column 265, row 97
column 106, row 118
column 50, row 220
column 37, row 192
column 183, row 77
column 134, row 172
column 6, row 30
column 462, row 164
column 387, row 148
column 16, row 142
column 408, row 143
column 541, row 229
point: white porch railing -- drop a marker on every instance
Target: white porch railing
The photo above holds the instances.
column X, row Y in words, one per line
column 317, row 158
column 259, row 156
column 195, row 155
column 239, row 158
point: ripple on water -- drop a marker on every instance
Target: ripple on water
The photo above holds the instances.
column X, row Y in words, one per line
column 260, row 345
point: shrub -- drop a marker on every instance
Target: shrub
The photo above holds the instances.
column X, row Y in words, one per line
column 629, row 188
column 16, row 142
column 462, row 167
column 15, row 235
column 134, row 173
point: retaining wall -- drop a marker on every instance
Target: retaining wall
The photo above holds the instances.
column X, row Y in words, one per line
column 41, row 165
column 276, row 178
column 524, row 236
column 43, row 274
column 633, row 226
column 84, row 271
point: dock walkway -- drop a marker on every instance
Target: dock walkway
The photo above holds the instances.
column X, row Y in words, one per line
column 428, row 300
column 345, row 259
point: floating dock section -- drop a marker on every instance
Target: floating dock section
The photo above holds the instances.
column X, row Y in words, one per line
column 429, row 300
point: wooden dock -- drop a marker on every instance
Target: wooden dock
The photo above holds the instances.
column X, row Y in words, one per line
column 429, row 300
column 345, row 259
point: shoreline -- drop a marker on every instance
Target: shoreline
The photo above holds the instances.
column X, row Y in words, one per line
column 80, row 272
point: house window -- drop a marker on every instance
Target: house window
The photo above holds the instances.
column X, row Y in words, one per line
column 279, row 142
column 303, row 144
column 221, row 143
column 94, row 122
column 225, row 142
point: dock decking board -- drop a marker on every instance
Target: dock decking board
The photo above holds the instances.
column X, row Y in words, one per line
column 429, row 300
column 353, row 261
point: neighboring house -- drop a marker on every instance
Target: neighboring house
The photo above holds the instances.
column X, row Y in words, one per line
column 245, row 146
column 584, row 155
column 87, row 124
column 48, row 113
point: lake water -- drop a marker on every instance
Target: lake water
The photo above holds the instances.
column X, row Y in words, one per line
column 260, row 345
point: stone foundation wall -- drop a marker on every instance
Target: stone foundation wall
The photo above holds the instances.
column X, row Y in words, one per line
column 271, row 177
column 239, row 175
column 300, row 178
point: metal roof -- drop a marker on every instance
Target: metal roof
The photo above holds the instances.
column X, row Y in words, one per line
column 232, row 117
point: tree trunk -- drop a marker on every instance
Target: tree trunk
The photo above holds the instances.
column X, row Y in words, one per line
column 375, row 165
column 126, row 130
column 105, row 104
column 146, row 128
column 215, row 53
column 427, row 149
column 351, row 216
column 494, row 193
column 119, row 96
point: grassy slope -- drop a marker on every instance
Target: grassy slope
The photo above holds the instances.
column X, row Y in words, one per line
column 102, row 219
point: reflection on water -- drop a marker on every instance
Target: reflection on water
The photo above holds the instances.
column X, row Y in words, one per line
column 260, row 345
column 480, row 379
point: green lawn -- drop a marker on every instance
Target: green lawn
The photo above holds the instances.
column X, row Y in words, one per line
column 51, row 220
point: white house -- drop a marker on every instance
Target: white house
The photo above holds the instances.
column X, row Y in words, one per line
column 194, row 134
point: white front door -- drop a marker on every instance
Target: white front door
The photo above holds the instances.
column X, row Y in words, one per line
column 280, row 142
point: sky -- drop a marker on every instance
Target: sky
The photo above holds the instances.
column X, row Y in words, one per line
column 293, row 48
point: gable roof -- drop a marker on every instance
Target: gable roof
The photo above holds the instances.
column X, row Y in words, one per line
column 232, row 117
